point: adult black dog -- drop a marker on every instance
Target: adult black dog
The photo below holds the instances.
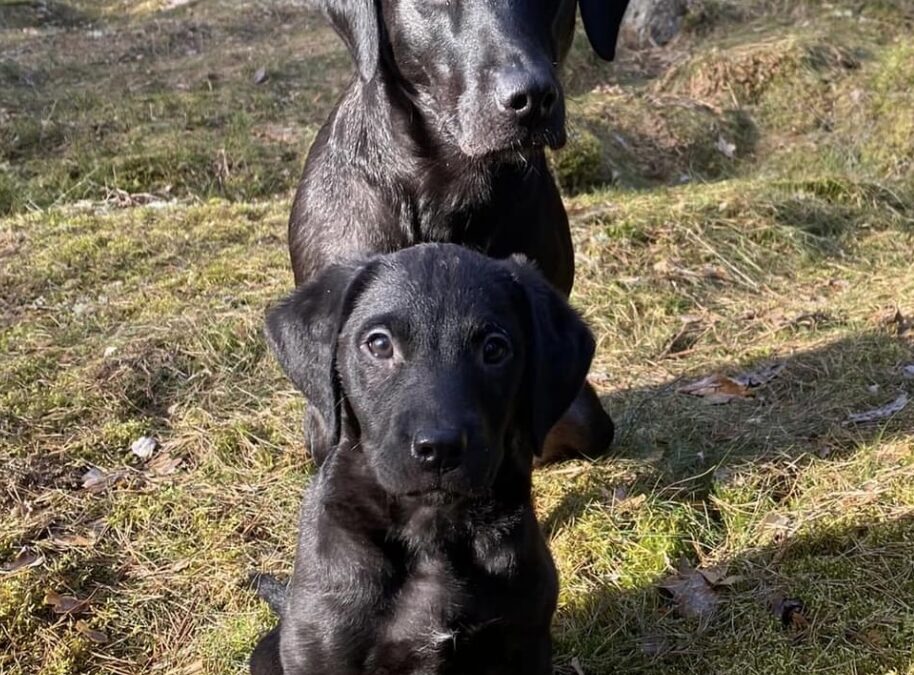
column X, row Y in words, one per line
column 440, row 371
column 440, row 138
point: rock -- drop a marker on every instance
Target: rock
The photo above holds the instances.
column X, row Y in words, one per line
column 652, row 23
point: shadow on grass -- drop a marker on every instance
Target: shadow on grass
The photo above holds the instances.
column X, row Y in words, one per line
column 836, row 600
column 799, row 414
column 25, row 14
column 852, row 574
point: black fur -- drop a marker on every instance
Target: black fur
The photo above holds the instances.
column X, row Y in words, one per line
column 419, row 551
column 430, row 143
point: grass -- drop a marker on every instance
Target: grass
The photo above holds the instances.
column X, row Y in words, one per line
column 742, row 198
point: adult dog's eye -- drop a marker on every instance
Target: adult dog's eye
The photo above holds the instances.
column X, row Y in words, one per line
column 496, row 349
column 380, row 346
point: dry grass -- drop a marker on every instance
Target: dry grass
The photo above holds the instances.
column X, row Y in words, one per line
column 146, row 179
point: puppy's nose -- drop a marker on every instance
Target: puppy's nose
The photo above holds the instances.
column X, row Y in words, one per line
column 439, row 450
column 529, row 95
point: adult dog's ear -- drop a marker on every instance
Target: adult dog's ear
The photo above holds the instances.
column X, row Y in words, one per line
column 602, row 20
column 560, row 348
column 302, row 330
column 356, row 21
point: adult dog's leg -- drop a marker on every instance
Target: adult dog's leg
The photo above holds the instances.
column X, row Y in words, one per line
column 585, row 430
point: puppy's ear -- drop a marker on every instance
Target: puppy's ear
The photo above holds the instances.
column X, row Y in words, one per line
column 602, row 20
column 356, row 21
column 560, row 348
column 302, row 331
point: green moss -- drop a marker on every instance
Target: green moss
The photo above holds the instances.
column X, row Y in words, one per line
column 580, row 166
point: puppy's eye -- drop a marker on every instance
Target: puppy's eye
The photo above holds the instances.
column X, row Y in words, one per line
column 495, row 349
column 380, row 346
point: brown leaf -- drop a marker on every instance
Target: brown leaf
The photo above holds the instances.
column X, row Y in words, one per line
column 64, row 540
column 96, row 480
column 24, row 560
column 690, row 593
column 717, row 576
column 180, row 565
column 97, row 636
column 774, row 528
column 64, row 604
column 790, row 611
column 874, row 638
column 163, row 464
column 898, row 320
column 716, row 389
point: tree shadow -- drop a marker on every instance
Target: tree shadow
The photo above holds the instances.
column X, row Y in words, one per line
column 838, row 598
column 25, row 14
column 849, row 570
column 802, row 413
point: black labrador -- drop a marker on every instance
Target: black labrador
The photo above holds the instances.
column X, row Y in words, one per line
column 440, row 138
column 440, row 372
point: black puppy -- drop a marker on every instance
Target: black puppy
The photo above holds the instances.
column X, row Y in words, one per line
column 440, row 139
column 441, row 372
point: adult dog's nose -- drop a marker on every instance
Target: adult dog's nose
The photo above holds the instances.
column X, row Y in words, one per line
column 529, row 95
column 439, row 450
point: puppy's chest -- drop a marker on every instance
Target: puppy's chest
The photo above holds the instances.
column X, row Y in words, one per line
column 438, row 617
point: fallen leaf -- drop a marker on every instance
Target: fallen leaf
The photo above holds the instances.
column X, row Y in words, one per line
column 691, row 594
column 775, row 521
column 96, row 480
column 180, row 565
column 907, row 372
column 774, row 528
column 717, row 576
column 715, row 273
column 64, row 604
column 874, row 638
column 631, row 503
column 760, row 377
column 260, row 76
column 877, row 414
column 790, row 611
column 717, row 389
column 163, row 464
column 24, row 560
column 97, row 636
column 576, row 665
column 725, row 147
column 72, row 540
column 143, row 447
column 898, row 320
